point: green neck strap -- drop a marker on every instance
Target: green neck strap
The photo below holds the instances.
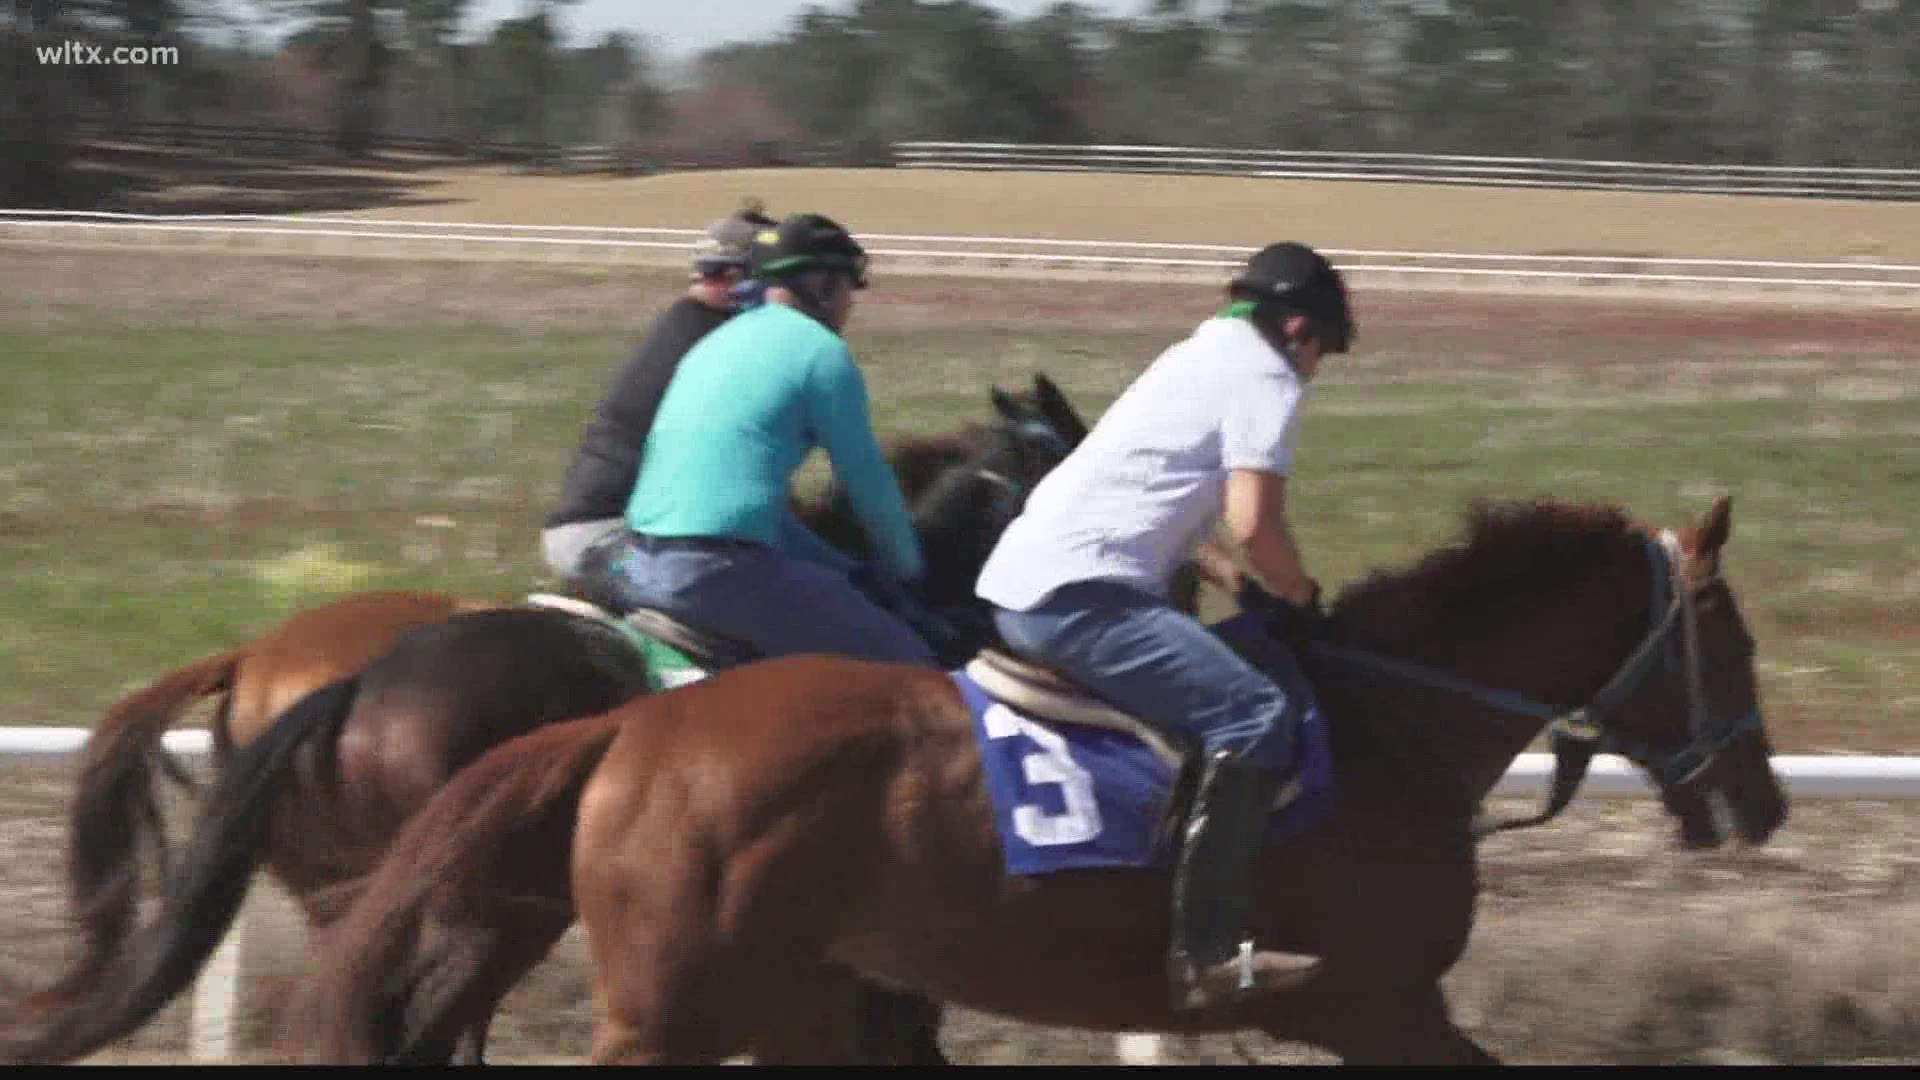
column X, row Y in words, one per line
column 1239, row 309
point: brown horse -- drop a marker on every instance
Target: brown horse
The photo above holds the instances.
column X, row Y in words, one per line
column 744, row 849
column 318, row 789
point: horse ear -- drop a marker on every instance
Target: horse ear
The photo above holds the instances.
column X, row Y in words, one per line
column 1004, row 404
column 1058, row 410
column 1716, row 526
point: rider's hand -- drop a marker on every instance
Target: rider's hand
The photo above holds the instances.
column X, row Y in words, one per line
column 1283, row 619
column 1312, row 602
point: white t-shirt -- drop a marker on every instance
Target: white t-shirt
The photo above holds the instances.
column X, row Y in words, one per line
column 1132, row 501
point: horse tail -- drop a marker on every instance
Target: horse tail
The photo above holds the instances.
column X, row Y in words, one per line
column 115, row 816
column 492, row 846
column 201, row 896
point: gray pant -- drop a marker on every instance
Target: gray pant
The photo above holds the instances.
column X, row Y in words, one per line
column 566, row 546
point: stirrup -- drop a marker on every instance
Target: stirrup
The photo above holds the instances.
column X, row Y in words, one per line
column 1213, row 879
column 1251, row 973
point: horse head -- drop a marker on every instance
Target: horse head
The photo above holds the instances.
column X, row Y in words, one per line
column 1618, row 637
column 1697, row 730
column 965, row 511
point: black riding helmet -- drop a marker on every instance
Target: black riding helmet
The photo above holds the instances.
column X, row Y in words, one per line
column 1296, row 279
column 813, row 242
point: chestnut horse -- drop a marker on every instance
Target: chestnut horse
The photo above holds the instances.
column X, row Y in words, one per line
column 317, row 790
column 746, row 848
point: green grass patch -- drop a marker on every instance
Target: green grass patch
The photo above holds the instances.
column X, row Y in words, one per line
column 165, row 491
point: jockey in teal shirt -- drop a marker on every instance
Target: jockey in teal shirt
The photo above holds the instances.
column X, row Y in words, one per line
column 722, row 452
column 713, row 539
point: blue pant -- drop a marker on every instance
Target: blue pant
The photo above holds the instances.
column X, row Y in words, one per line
column 770, row 600
column 1149, row 659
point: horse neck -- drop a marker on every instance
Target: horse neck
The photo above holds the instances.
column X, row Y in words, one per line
column 1556, row 643
column 958, row 525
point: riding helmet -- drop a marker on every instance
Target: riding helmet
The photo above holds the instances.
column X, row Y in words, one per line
column 809, row 242
column 731, row 242
column 1301, row 280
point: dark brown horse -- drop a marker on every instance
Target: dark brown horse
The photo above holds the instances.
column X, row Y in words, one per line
column 745, row 849
column 317, row 791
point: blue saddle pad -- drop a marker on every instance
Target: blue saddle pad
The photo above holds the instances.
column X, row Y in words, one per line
column 1071, row 797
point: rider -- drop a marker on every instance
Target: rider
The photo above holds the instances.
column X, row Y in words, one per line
column 1079, row 582
column 590, row 518
column 713, row 538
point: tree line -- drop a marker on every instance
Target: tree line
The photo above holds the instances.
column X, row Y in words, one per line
column 1805, row 82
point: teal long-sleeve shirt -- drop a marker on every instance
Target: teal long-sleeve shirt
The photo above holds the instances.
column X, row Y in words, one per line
column 746, row 406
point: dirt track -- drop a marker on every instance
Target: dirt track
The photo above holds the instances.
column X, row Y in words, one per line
column 1597, row 943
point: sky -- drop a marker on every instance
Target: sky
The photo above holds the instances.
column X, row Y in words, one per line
column 680, row 28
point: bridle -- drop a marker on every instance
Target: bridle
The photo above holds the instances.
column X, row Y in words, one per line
column 1576, row 734
column 1028, row 439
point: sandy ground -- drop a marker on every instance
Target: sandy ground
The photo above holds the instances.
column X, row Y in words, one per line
column 1597, row 942
column 1167, row 209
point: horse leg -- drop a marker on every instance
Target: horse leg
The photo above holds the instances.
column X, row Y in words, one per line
column 473, row 1044
column 664, row 1006
column 809, row 1018
column 898, row 1029
column 1387, row 1026
column 662, row 991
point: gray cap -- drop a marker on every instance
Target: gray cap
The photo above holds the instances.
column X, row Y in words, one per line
column 730, row 242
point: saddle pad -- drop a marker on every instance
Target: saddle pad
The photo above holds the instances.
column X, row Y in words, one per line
column 1071, row 797
column 667, row 667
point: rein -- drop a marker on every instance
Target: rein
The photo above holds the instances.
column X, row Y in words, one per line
column 1577, row 733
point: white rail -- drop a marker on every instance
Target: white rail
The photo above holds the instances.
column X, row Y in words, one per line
column 294, row 234
column 1476, row 169
column 1807, row 776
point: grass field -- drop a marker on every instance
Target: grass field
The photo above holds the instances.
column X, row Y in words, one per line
column 194, row 446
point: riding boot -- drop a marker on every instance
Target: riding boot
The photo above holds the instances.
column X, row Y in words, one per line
column 1211, row 962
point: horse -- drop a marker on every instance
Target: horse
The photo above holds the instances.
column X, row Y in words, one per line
column 114, row 813
column 745, row 850
column 317, row 790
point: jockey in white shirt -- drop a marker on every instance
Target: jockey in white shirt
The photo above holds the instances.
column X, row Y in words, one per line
column 1080, row 583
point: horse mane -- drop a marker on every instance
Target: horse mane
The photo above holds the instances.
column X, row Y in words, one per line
column 1511, row 549
column 920, row 459
column 917, row 460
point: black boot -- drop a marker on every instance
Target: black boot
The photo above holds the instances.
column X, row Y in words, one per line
column 1211, row 961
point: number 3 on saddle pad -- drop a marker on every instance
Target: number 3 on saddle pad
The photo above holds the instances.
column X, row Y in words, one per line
column 1079, row 819
column 1074, row 797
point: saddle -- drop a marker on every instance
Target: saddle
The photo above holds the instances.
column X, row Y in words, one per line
column 1050, row 697
column 703, row 647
